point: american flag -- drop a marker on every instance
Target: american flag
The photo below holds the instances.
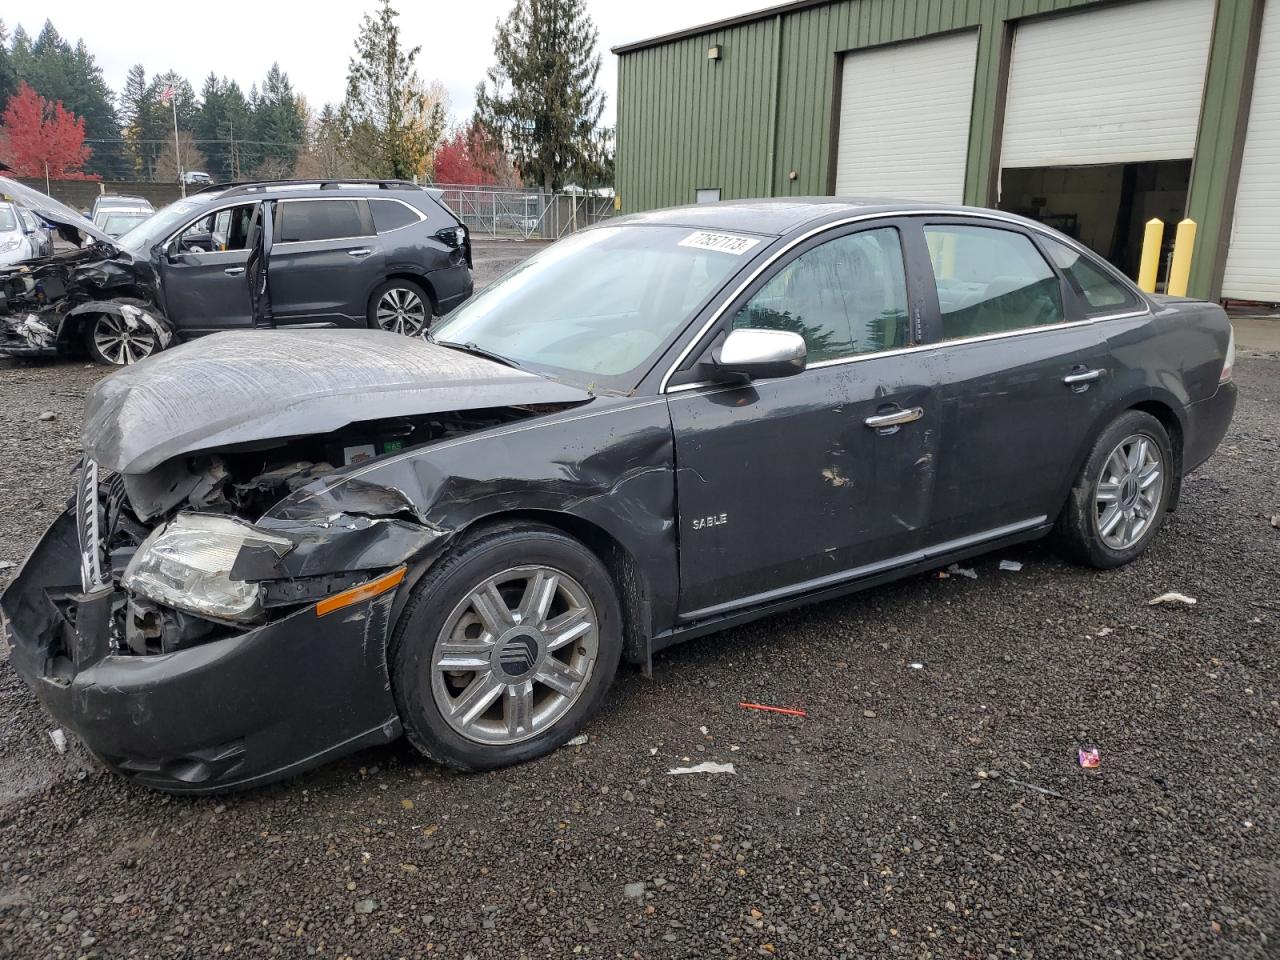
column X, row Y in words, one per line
column 166, row 94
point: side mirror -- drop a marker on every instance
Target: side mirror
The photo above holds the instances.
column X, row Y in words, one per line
column 761, row 354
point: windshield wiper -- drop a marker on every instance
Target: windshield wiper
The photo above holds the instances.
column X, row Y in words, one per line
column 471, row 347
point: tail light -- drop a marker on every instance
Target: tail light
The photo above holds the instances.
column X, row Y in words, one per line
column 1229, row 363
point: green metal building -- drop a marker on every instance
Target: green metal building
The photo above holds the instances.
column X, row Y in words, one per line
column 1091, row 115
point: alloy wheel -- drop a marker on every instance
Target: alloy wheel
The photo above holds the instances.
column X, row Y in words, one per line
column 401, row 310
column 515, row 655
column 119, row 343
column 1129, row 491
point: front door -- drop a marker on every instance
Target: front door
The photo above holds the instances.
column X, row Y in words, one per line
column 789, row 485
column 202, row 272
column 326, row 260
column 1021, row 381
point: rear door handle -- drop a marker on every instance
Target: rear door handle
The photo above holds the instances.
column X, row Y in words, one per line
column 890, row 422
column 233, row 271
column 359, row 252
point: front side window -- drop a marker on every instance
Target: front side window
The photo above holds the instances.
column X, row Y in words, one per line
column 8, row 219
column 991, row 281
column 845, row 297
column 599, row 306
column 219, row 232
column 302, row 221
column 1100, row 290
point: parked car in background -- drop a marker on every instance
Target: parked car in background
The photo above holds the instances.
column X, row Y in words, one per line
column 115, row 201
column 351, row 253
column 41, row 236
column 116, row 223
column 196, row 177
column 285, row 547
column 20, row 239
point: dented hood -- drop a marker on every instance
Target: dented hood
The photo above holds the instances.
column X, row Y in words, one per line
column 242, row 387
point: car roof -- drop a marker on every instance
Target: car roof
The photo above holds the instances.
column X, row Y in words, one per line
column 121, row 200
column 781, row 216
column 330, row 189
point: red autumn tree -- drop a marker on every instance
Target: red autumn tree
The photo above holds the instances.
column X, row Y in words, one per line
column 36, row 132
column 455, row 163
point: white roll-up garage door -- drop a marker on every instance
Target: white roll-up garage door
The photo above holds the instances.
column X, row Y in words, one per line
column 904, row 119
column 1253, row 259
column 1115, row 84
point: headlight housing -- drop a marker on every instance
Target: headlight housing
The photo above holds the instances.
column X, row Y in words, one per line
column 187, row 564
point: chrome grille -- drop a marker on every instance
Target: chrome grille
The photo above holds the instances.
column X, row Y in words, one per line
column 89, row 528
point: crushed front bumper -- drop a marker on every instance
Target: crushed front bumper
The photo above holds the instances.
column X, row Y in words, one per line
column 245, row 709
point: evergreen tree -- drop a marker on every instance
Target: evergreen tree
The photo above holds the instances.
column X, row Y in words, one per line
column 540, row 99
column 391, row 121
column 132, row 104
column 279, row 124
column 8, row 76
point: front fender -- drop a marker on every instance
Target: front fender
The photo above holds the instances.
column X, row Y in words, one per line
column 135, row 313
column 611, row 466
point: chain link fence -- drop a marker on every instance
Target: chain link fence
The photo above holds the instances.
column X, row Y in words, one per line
column 524, row 214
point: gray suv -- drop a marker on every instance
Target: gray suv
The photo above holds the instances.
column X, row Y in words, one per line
column 316, row 253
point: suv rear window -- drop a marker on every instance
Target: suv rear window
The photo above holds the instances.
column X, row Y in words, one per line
column 305, row 220
column 391, row 215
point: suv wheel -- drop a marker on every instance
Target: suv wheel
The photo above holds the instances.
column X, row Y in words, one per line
column 401, row 306
column 1120, row 498
column 110, row 341
column 506, row 648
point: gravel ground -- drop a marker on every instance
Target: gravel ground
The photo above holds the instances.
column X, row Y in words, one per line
column 918, row 811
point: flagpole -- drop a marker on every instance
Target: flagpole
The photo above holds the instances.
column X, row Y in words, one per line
column 177, row 150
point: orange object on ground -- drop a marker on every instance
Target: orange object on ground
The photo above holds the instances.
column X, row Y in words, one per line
column 760, row 706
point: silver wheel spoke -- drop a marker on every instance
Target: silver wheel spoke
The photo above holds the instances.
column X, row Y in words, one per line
column 568, row 627
column 517, row 706
column 538, row 594
column 491, row 608
column 463, row 656
column 559, row 677
column 477, row 698
column 1149, row 475
column 1109, row 520
column 1107, row 492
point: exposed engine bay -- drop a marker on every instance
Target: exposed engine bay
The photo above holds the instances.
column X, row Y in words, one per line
column 244, row 484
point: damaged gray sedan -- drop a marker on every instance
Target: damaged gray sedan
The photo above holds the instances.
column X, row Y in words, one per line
column 285, row 546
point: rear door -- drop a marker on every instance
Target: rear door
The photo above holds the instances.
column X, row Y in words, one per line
column 202, row 271
column 325, row 261
column 789, row 485
column 1023, row 379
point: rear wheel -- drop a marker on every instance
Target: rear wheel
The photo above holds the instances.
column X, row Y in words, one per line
column 506, row 648
column 401, row 306
column 1121, row 496
column 112, row 342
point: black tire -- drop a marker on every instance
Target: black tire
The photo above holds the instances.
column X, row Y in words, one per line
column 435, row 602
column 415, row 290
column 1079, row 526
column 142, row 344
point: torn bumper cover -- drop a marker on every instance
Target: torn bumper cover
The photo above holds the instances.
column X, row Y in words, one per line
column 45, row 332
column 249, row 705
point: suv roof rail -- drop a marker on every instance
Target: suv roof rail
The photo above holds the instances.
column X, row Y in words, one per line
column 318, row 183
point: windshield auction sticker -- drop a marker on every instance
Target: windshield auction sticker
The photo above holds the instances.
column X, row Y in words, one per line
column 720, row 242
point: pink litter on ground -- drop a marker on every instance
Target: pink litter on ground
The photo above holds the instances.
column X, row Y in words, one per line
column 1089, row 758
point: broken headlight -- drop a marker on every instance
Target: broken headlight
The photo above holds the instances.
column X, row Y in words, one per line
column 186, row 564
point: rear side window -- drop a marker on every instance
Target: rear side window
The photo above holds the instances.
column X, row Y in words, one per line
column 991, row 281
column 391, row 215
column 305, row 220
column 1101, row 291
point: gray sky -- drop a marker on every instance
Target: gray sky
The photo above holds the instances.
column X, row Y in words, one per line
column 313, row 41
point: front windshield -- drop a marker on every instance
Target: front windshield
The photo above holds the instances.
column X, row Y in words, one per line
column 156, row 227
column 8, row 219
column 599, row 306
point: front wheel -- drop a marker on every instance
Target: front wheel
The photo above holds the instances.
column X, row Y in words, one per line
column 506, row 648
column 112, row 342
column 1121, row 496
column 401, row 306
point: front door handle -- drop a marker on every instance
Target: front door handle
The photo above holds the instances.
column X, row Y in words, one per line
column 890, row 422
column 233, row 271
column 1080, row 378
column 359, row 252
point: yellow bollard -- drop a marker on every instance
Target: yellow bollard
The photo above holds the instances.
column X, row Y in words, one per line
column 1150, row 260
column 1180, row 270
